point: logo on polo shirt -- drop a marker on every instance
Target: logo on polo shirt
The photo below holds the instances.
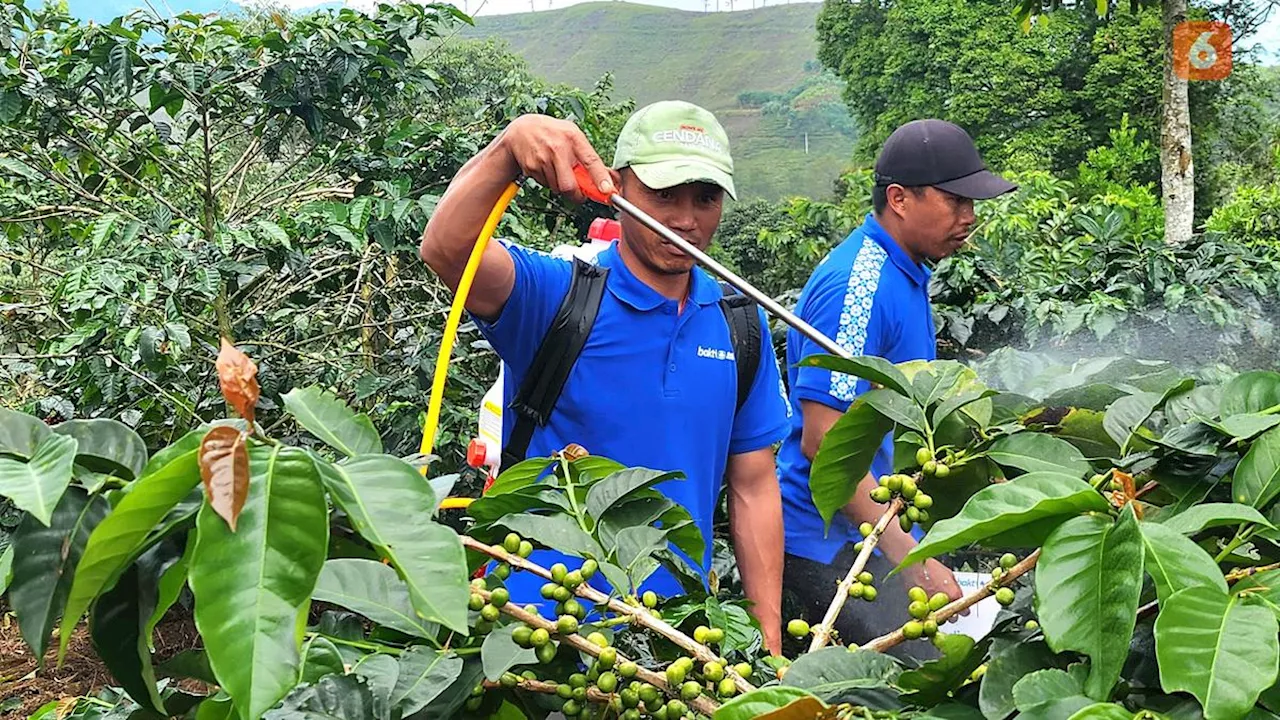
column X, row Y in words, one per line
column 715, row 354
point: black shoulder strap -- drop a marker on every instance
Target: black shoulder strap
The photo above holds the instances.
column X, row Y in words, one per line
column 556, row 355
column 744, row 331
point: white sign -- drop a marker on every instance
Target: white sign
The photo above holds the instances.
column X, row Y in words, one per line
column 982, row 615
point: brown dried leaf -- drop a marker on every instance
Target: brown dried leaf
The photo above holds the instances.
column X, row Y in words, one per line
column 224, row 467
column 238, row 376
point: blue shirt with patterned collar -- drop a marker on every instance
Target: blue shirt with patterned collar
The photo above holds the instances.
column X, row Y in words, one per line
column 655, row 386
column 873, row 299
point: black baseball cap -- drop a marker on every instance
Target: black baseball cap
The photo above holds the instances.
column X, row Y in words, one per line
column 941, row 154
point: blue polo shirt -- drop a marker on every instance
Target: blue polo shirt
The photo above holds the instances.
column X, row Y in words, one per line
column 654, row 387
column 873, row 299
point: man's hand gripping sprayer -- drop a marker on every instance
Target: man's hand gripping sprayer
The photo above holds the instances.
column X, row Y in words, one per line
column 588, row 188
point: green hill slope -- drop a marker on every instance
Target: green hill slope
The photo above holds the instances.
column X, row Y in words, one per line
column 708, row 58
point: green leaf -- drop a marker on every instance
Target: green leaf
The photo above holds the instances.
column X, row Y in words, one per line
column 844, row 457
column 385, row 499
column 1260, row 589
column 1250, row 392
column 373, row 590
column 123, row 535
column 833, row 673
column 380, row 672
column 520, row 475
column 1037, row 452
column 106, row 446
column 762, row 702
column 424, row 675
column 1103, row 711
column 899, row 409
column 168, row 588
column 117, row 620
column 1220, row 650
column 950, row 711
column 995, row 697
column 1256, row 480
column 328, row 418
column 868, row 367
column 37, row 485
column 252, row 586
column 346, row 235
column 100, row 229
column 217, row 707
column 193, row 664
column 20, row 434
column 1174, row 562
column 1088, row 581
column 1244, row 427
column 500, row 653
column 615, row 488
column 956, row 402
column 275, row 233
column 1000, row 508
column 739, row 632
column 1046, row 687
column 555, row 531
column 6, row 568
column 934, row 680
column 1128, row 414
column 1210, row 515
column 44, row 560
column 320, row 657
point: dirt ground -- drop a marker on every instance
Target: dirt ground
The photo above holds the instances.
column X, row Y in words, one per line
column 81, row 673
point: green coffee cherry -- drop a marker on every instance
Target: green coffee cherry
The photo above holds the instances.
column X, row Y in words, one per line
column 548, row 591
column 502, row 572
column 529, row 675
column 917, row 594
column 573, row 579
column 713, row 671
column 904, row 522
column 577, row 680
column 571, row 708
column 608, row 682
column 522, row 635
column 630, row 698
column 564, row 691
column 675, row 674
column 499, row 597
column 509, row 680
column 743, row 670
column 574, row 608
column 649, row 694
column 1008, row 560
column 942, row 471
column 489, row 613
column 923, row 455
column 924, row 516
column 938, row 601
column 607, row 658
column 676, row 710
column 631, row 714
column 997, row 573
column 512, row 543
column 593, row 674
column 715, row 636
column 869, row 593
column 909, row 489
column 650, row 599
column 539, row 638
column 474, row 703
column 1004, row 596
column 690, row 690
column 913, row 514
column 930, row 468
column 567, row 625
column 866, row 578
column 558, row 571
column 561, row 594
column 798, row 628
column 930, row 627
column 883, row 481
column 865, row 529
column 525, row 549
column 700, row 634
column 923, row 501
column 598, row 639
column 913, row 629
column 589, row 568
column 857, row 547
column 856, row 590
column 475, row 602
column 628, row 670
column 895, row 483
column 918, row 610
column 546, row 653
column 726, row 688
column 881, row 494
column 1032, row 625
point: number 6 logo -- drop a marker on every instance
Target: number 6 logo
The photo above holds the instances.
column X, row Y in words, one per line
column 1202, row 50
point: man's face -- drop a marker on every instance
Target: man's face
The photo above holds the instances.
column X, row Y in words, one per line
column 935, row 222
column 691, row 210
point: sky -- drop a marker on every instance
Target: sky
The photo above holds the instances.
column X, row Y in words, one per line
column 1268, row 37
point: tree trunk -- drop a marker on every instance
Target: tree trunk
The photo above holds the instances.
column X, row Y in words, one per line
column 1177, row 175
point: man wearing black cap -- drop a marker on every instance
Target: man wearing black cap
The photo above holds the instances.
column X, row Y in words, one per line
column 871, row 294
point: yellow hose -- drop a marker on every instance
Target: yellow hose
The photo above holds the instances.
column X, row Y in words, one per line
column 451, row 332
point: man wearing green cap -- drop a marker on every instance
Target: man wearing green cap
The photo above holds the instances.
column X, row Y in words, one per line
column 655, row 383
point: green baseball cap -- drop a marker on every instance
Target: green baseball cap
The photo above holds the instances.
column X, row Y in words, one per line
column 673, row 142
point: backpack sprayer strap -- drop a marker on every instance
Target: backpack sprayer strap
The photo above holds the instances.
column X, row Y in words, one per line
column 560, row 348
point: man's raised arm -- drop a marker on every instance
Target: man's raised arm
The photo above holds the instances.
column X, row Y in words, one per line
column 539, row 146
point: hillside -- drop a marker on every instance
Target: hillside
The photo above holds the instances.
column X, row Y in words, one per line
column 708, row 58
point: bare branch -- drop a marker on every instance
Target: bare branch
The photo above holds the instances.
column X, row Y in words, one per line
column 822, row 632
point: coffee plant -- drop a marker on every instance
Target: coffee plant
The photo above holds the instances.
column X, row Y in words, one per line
column 1129, row 512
